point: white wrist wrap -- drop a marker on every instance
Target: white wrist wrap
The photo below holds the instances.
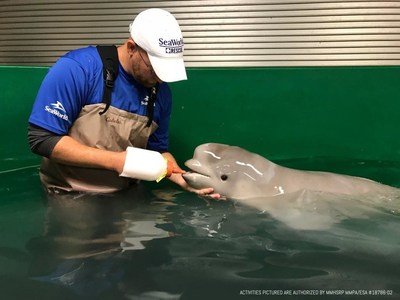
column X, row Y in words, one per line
column 144, row 164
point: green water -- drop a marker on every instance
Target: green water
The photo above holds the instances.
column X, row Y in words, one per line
column 155, row 242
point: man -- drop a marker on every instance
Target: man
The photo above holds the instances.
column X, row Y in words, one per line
column 89, row 146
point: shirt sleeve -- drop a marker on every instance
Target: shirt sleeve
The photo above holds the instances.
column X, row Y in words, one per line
column 60, row 97
column 42, row 141
column 159, row 140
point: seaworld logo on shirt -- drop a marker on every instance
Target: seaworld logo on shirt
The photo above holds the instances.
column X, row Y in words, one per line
column 55, row 110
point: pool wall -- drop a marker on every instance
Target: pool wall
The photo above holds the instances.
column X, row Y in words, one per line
column 346, row 112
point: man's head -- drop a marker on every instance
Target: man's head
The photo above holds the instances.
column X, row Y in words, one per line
column 157, row 32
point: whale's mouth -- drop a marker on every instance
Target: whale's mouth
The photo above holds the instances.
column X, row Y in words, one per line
column 196, row 180
column 196, row 168
column 197, row 176
column 191, row 175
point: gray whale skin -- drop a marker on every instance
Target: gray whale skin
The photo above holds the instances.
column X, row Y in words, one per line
column 301, row 199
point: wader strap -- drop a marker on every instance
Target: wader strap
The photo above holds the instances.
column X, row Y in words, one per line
column 150, row 104
column 109, row 58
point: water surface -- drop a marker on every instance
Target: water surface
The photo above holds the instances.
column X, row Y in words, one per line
column 156, row 242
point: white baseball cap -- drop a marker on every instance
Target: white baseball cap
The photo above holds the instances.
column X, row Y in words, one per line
column 157, row 32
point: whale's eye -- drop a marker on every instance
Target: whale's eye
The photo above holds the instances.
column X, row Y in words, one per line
column 224, row 177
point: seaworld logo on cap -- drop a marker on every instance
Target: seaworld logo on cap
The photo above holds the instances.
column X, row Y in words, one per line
column 172, row 45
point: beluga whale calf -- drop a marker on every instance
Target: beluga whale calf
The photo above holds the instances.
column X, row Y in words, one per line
column 298, row 198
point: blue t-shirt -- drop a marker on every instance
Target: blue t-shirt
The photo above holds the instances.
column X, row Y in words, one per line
column 76, row 80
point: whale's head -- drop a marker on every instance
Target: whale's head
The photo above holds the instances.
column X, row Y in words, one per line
column 232, row 171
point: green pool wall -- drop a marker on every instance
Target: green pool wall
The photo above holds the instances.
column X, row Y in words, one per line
column 281, row 113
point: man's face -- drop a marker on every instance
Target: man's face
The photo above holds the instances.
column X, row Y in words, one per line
column 142, row 70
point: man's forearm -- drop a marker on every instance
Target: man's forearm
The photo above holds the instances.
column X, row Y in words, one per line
column 70, row 152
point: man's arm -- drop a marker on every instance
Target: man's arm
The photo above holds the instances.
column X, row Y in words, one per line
column 66, row 150
column 42, row 141
column 70, row 152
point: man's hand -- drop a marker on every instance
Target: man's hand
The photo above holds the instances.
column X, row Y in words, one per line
column 207, row 192
column 176, row 177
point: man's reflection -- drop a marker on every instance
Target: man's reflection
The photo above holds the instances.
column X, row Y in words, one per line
column 88, row 239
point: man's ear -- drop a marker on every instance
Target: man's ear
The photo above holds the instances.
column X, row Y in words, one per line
column 131, row 45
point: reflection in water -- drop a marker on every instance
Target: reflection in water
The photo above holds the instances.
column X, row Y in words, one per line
column 179, row 246
column 87, row 238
